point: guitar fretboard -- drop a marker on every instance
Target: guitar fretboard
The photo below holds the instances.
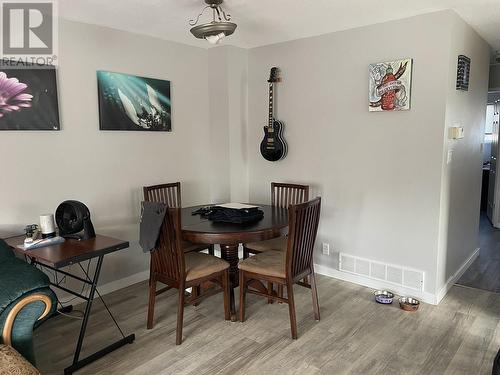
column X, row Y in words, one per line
column 271, row 105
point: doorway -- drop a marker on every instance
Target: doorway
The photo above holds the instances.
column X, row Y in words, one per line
column 484, row 272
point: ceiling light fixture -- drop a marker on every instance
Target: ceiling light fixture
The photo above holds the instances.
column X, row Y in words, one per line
column 216, row 30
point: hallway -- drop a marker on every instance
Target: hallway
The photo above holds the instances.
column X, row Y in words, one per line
column 484, row 273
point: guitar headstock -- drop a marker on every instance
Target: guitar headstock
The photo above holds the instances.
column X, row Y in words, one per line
column 274, row 76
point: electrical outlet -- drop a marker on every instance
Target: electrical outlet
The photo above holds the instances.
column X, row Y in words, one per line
column 326, row 248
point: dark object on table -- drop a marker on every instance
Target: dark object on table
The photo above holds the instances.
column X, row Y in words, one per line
column 289, row 267
column 73, row 217
column 203, row 211
column 152, row 216
column 172, row 266
column 170, row 194
column 384, row 297
column 30, row 230
column 235, row 216
column 409, row 304
column 25, row 300
column 496, row 365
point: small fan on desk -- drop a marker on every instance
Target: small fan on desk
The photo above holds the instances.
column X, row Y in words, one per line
column 72, row 218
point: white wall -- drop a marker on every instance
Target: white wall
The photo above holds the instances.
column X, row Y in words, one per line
column 227, row 77
column 107, row 169
column 461, row 178
column 379, row 173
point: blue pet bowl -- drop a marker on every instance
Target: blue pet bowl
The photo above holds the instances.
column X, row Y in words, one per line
column 384, row 297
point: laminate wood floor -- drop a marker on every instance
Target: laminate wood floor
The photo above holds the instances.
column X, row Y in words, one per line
column 355, row 336
column 484, row 272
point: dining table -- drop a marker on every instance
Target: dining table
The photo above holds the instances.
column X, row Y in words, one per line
column 199, row 229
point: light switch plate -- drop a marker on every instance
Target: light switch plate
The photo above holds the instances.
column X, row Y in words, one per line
column 326, row 249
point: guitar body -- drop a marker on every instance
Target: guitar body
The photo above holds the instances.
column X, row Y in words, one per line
column 273, row 146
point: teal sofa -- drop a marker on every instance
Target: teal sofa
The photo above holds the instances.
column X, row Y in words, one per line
column 25, row 301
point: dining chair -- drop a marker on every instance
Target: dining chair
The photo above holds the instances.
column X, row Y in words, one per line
column 170, row 194
column 286, row 267
column 282, row 196
column 175, row 268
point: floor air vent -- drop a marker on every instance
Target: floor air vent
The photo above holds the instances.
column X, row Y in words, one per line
column 390, row 273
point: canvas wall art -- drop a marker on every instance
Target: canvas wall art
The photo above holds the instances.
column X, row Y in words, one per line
column 128, row 102
column 28, row 98
column 390, row 85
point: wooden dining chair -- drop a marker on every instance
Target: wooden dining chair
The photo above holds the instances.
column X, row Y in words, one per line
column 286, row 267
column 282, row 196
column 170, row 194
column 175, row 268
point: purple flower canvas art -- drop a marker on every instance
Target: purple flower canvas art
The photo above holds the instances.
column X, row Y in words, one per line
column 12, row 95
column 28, row 98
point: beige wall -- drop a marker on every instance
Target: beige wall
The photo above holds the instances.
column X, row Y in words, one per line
column 379, row 173
column 105, row 169
column 461, row 178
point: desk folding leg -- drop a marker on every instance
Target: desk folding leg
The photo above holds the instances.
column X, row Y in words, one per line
column 77, row 362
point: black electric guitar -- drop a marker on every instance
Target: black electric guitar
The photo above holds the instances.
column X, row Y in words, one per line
column 273, row 146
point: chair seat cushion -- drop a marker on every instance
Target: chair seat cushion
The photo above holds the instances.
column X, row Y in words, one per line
column 278, row 243
column 199, row 265
column 12, row 363
column 269, row 263
column 17, row 278
column 189, row 246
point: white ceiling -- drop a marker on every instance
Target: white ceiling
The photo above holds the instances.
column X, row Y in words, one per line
column 262, row 22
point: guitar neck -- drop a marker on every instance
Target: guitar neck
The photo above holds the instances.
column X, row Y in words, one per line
column 271, row 105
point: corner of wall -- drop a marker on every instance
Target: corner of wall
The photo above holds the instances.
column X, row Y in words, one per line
column 461, row 159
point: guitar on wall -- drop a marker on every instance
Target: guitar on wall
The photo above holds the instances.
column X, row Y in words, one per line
column 273, row 146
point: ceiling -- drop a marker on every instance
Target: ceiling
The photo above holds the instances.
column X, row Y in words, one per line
column 262, row 22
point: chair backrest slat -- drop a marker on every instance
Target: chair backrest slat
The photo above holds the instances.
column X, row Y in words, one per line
column 170, row 194
column 167, row 259
column 302, row 230
column 283, row 195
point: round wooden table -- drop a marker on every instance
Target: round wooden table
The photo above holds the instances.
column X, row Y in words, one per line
column 198, row 229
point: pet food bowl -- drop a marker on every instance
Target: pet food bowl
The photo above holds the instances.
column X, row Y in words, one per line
column 409, row 304
column 384, row 297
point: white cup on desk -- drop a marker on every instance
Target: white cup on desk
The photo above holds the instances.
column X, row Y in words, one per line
column 47, row 226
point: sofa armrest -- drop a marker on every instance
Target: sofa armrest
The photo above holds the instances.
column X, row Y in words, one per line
column 16, row 309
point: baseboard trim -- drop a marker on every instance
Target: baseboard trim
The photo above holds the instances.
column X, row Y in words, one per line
column 457, row 275
column 374, row 284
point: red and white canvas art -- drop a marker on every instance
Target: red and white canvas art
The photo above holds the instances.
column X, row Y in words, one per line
column 390, row 85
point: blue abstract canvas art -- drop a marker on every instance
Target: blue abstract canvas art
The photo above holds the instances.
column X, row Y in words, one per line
column 128, row 102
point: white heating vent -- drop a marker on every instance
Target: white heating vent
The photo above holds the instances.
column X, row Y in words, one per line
column 390, row 273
